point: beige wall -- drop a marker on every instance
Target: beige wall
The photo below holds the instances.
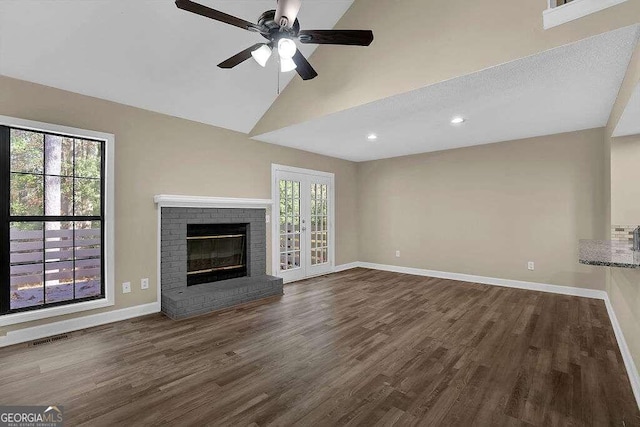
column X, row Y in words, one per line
column 418, row 43
column 625, row 181
column 623, row 285
column 625, row 155
column 490, row 209
column 158, row 154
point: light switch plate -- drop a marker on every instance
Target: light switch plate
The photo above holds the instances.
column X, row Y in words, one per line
column 126, row 287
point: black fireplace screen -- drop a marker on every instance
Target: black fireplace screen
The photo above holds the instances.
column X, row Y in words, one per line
column 216, row 252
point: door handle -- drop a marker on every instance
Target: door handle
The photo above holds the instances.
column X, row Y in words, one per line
column 304, row 228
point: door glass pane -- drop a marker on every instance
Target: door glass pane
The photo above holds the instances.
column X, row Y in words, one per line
column 290, row 225
column 319, row 225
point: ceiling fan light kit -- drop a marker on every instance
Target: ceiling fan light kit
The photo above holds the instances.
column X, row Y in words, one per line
column 280, row 27
column 286, row 48
column 262, row 55
column 287, row 64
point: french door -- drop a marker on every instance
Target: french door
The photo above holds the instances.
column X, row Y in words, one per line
column 303, row 223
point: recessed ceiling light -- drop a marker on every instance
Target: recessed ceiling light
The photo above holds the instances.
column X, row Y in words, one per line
column 372, row 137
column 457, row 120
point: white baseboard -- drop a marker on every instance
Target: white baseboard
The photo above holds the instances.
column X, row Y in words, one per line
column 632, row 371
column 75, row 324
column 507, row 283
column 344, row 267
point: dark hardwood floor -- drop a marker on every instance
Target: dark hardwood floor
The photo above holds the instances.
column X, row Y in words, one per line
column 360, row 347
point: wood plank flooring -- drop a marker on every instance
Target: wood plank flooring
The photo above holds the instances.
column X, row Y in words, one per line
column 361, row 347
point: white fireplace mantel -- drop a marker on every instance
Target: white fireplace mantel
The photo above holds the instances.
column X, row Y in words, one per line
column 173, row 201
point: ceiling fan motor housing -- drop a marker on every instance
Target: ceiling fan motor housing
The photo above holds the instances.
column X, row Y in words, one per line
column 274, row 31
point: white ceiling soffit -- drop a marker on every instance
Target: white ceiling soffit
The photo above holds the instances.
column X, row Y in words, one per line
column 566, row 89
column 151, row 55
column 629, row 123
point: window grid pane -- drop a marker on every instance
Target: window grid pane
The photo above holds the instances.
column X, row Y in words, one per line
column 52, row 262
column 26, row 151
column 27, row 195
column 26, row 268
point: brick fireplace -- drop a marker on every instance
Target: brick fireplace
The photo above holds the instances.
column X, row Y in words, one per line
column 212, row 254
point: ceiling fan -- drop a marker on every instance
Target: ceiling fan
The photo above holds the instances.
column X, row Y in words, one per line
column 280, row 27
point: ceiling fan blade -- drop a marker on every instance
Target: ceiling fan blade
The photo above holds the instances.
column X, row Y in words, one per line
column 205, row 11
column 304, row 69
column 287, row 9
column 240, row 57
column 341, row 37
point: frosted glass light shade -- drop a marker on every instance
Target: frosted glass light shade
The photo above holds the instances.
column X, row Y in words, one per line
column 262, row 55
column 287, row 65
column 287, row 48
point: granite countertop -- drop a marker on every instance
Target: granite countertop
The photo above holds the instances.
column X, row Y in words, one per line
column 608, row 253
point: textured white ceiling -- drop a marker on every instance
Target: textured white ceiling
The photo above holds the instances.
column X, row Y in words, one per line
column 150, row 54
column 566, row 89
column 629, row 123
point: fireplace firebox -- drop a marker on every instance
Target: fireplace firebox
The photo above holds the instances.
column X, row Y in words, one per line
column 216, row 252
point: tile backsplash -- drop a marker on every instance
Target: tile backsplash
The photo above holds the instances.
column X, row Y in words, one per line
column 623, row 232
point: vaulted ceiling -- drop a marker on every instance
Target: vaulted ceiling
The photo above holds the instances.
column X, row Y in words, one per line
column 419, row 43
column 150, row 54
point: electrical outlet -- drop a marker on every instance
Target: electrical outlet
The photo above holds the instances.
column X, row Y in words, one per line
column 397, row 254
column 126, row 287
column 144, row 284
column 531, row 265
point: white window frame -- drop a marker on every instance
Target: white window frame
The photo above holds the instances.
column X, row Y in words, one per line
column 275, row 219
column 109, row 225
column 557, row 15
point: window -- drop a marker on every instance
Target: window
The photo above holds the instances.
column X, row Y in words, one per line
column 560, row 12
column 53, row 222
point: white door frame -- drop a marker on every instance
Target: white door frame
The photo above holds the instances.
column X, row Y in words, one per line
column 275, row 217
